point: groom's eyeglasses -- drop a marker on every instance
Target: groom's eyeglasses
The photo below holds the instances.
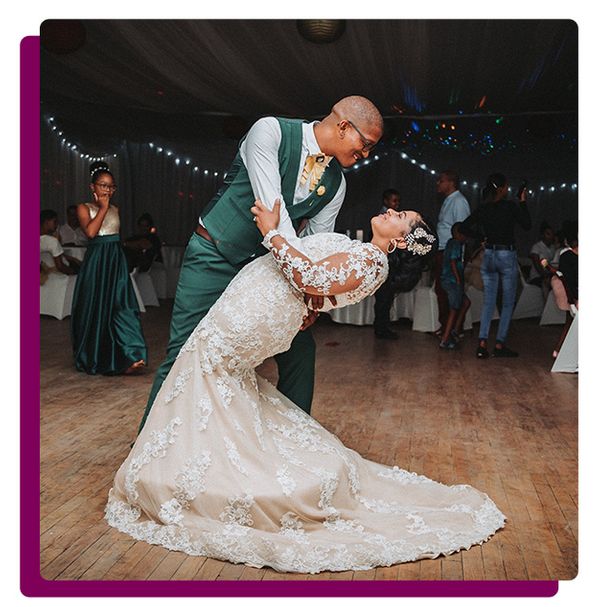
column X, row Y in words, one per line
column 367, row 145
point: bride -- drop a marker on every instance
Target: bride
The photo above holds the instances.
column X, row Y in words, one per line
column 227, row 467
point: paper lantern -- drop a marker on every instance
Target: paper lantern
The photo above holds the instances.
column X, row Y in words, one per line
column 321, row 31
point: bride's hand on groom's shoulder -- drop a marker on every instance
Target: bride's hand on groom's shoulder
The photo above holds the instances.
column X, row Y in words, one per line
column 266, row 220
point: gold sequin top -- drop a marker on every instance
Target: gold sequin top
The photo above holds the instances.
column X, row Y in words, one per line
column 111, row 223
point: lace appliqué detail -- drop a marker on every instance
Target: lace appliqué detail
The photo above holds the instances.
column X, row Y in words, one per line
column 170, row 513
column 225, row 392
column 234, row 455
column 292, row 527
column 157, row 447
column 179, row 385
column 238, row 510
column 202, row 412
column 190, row 481
column 288, row 484
column 403, row 476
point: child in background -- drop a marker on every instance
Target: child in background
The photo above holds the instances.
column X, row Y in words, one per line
column 453, row 282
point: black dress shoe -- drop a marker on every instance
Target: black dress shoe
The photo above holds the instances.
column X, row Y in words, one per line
column 387, row 334
column 482, row 352
column 504, row 352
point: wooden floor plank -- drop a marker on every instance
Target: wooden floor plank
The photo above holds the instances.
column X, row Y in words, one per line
column 210, row 570
column 143, row 569
column 188, row 568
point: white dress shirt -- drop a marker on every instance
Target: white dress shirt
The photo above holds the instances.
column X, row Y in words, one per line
column 455, row 208
column 260, row 154
column 50, row 248
column 543, row 251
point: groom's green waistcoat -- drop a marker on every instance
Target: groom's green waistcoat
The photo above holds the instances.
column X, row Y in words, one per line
column 227, row 217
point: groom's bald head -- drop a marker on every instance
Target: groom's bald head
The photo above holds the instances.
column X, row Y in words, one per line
column 360, row 110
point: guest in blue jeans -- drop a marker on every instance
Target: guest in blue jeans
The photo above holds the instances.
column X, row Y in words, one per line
column 496, row 220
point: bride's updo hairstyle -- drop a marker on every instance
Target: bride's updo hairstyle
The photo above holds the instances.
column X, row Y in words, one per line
column 97, row 169
column 422, row 243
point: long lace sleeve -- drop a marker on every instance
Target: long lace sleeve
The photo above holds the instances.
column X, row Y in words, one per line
column 360, row 270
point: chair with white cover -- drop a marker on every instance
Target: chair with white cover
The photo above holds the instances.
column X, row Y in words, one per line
column 145, row 288
column 474, row 312
column 425, row 315
column 56, row 295
column 138, row 295
column 552, row 314
column 158, row 274
column 531, row 301
column 567, row 360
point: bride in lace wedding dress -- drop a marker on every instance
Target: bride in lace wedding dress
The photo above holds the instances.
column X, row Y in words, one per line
column 227, row 467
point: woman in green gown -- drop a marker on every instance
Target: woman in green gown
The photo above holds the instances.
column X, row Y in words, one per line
column 105, row 318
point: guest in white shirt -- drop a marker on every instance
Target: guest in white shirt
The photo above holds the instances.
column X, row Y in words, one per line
column 51, row 251
column 542, row 249
column 70, row 233
column 455, row 209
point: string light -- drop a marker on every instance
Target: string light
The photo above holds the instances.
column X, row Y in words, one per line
column 475, row 185
column 357, row 166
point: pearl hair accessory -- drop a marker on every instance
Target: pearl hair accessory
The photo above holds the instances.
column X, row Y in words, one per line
column 419, row 248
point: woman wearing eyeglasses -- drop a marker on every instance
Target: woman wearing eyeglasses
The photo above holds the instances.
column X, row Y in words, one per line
column 106, row 331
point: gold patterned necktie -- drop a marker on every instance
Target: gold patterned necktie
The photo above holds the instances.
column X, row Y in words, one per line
column 313, row 170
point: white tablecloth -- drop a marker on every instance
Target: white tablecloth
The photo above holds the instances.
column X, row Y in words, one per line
column 172, row 259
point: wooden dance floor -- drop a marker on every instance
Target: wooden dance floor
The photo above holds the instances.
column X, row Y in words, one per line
column 507, row 426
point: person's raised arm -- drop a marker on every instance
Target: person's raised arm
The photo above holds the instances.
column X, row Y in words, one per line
column 338, row 273
column 523, row 217
column 260, row 154
column 90, row 226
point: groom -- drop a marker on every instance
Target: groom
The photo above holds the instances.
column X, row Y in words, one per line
column 301, row 164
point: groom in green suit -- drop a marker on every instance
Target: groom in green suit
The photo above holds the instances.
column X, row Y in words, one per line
column 301, row 164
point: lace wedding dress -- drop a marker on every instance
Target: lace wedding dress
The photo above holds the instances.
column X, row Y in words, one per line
column 227, row 467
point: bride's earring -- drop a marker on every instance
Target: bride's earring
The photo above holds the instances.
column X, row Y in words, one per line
column 394, row 243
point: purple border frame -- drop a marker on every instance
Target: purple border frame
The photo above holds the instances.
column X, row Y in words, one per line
column 32, row 583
